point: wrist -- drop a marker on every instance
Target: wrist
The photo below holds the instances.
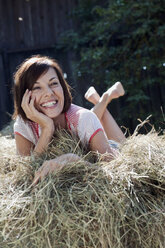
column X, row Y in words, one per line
column 48, row 129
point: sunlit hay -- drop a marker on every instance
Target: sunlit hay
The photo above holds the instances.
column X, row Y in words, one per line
column 7, row 146
column 139, row 173
column 120, row 204
column 68, row 144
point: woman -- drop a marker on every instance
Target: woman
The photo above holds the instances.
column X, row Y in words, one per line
column 42, row 102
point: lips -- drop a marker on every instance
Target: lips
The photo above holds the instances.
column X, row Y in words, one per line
column 49, row 104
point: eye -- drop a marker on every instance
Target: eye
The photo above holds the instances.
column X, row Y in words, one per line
column 54, row 83
column 36, row 88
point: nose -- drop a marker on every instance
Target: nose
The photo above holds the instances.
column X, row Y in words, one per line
column 48, row 91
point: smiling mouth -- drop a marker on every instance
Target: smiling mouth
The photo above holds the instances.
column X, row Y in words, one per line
column 49, row 104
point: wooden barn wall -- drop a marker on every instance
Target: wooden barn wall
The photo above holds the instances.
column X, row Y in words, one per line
column 29, row 27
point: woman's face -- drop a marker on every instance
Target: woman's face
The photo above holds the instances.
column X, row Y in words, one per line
column 48, row 93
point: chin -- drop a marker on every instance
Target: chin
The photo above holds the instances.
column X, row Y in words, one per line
column 53, row 115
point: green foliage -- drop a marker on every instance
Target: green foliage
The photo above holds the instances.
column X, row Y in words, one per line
column 121, row 40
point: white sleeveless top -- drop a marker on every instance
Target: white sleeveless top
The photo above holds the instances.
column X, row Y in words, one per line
column 80, row 121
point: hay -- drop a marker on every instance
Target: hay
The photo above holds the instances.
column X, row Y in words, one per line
column 120, row 204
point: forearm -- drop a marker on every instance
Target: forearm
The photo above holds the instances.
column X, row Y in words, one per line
column 109, row 155
column 100, row 144
column 65, row 159
column 44, row 140
column 53, row 165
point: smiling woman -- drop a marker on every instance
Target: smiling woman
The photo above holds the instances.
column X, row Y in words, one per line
column 48, row 94
column 43, row 103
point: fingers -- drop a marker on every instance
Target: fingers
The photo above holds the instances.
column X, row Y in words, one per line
column 36, row 177
column 26, row 98
column 35, row 181
column 41, row 173
column 26, row 101
column 33, row 113
column 28, row 104
column 47, row 168
column 31, row 103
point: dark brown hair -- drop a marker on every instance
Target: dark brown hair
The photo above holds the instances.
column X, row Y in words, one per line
column 28, row 73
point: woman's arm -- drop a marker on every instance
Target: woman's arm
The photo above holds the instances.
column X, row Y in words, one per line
column 46, row 124
column 23, row 146
column 100, row 144
column 44, row 140
column 56, row 164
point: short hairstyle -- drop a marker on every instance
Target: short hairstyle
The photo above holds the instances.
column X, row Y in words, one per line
column 27, row 74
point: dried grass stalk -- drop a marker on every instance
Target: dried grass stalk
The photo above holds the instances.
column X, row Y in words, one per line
column 120, row 204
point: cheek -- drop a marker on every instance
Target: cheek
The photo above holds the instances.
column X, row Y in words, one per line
column 60, row 93
column 62, row 96
column 62, row 99
column 33, row 94
column 36, row 95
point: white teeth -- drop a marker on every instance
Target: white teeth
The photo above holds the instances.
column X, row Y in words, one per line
column 49, row 104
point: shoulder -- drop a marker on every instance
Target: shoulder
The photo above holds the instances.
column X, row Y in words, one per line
column 74, row 109
column 27, row 129
column 87, row 115
column 88, row 125
column 21, row 126
column 75, row 114
column 19, row 122
column 77, row 110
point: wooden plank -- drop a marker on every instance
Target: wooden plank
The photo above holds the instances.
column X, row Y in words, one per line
column 2, row 86
column 3, row 95
column 10, row 33
column 42, row 11
column 28, row 49
column 17, row 24
column 58, row 21
column 52, row 16
column 35, row 23
column 3, row 21
column 27, row 24
column 62, row 17
column 48, row 20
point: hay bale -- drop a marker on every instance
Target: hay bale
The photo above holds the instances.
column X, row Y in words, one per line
column 120, row 204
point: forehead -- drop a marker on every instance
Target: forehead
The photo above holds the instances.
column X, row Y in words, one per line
column 47, row 76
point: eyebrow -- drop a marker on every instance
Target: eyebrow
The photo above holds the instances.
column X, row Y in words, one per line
column 49, row 80
column 52, row 78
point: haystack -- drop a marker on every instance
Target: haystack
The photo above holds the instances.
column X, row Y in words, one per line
column 120, row 204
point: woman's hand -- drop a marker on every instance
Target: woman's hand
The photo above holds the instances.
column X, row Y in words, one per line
column 46, row 123
column 54, row 165
column 33, row 114
column 47, row 167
